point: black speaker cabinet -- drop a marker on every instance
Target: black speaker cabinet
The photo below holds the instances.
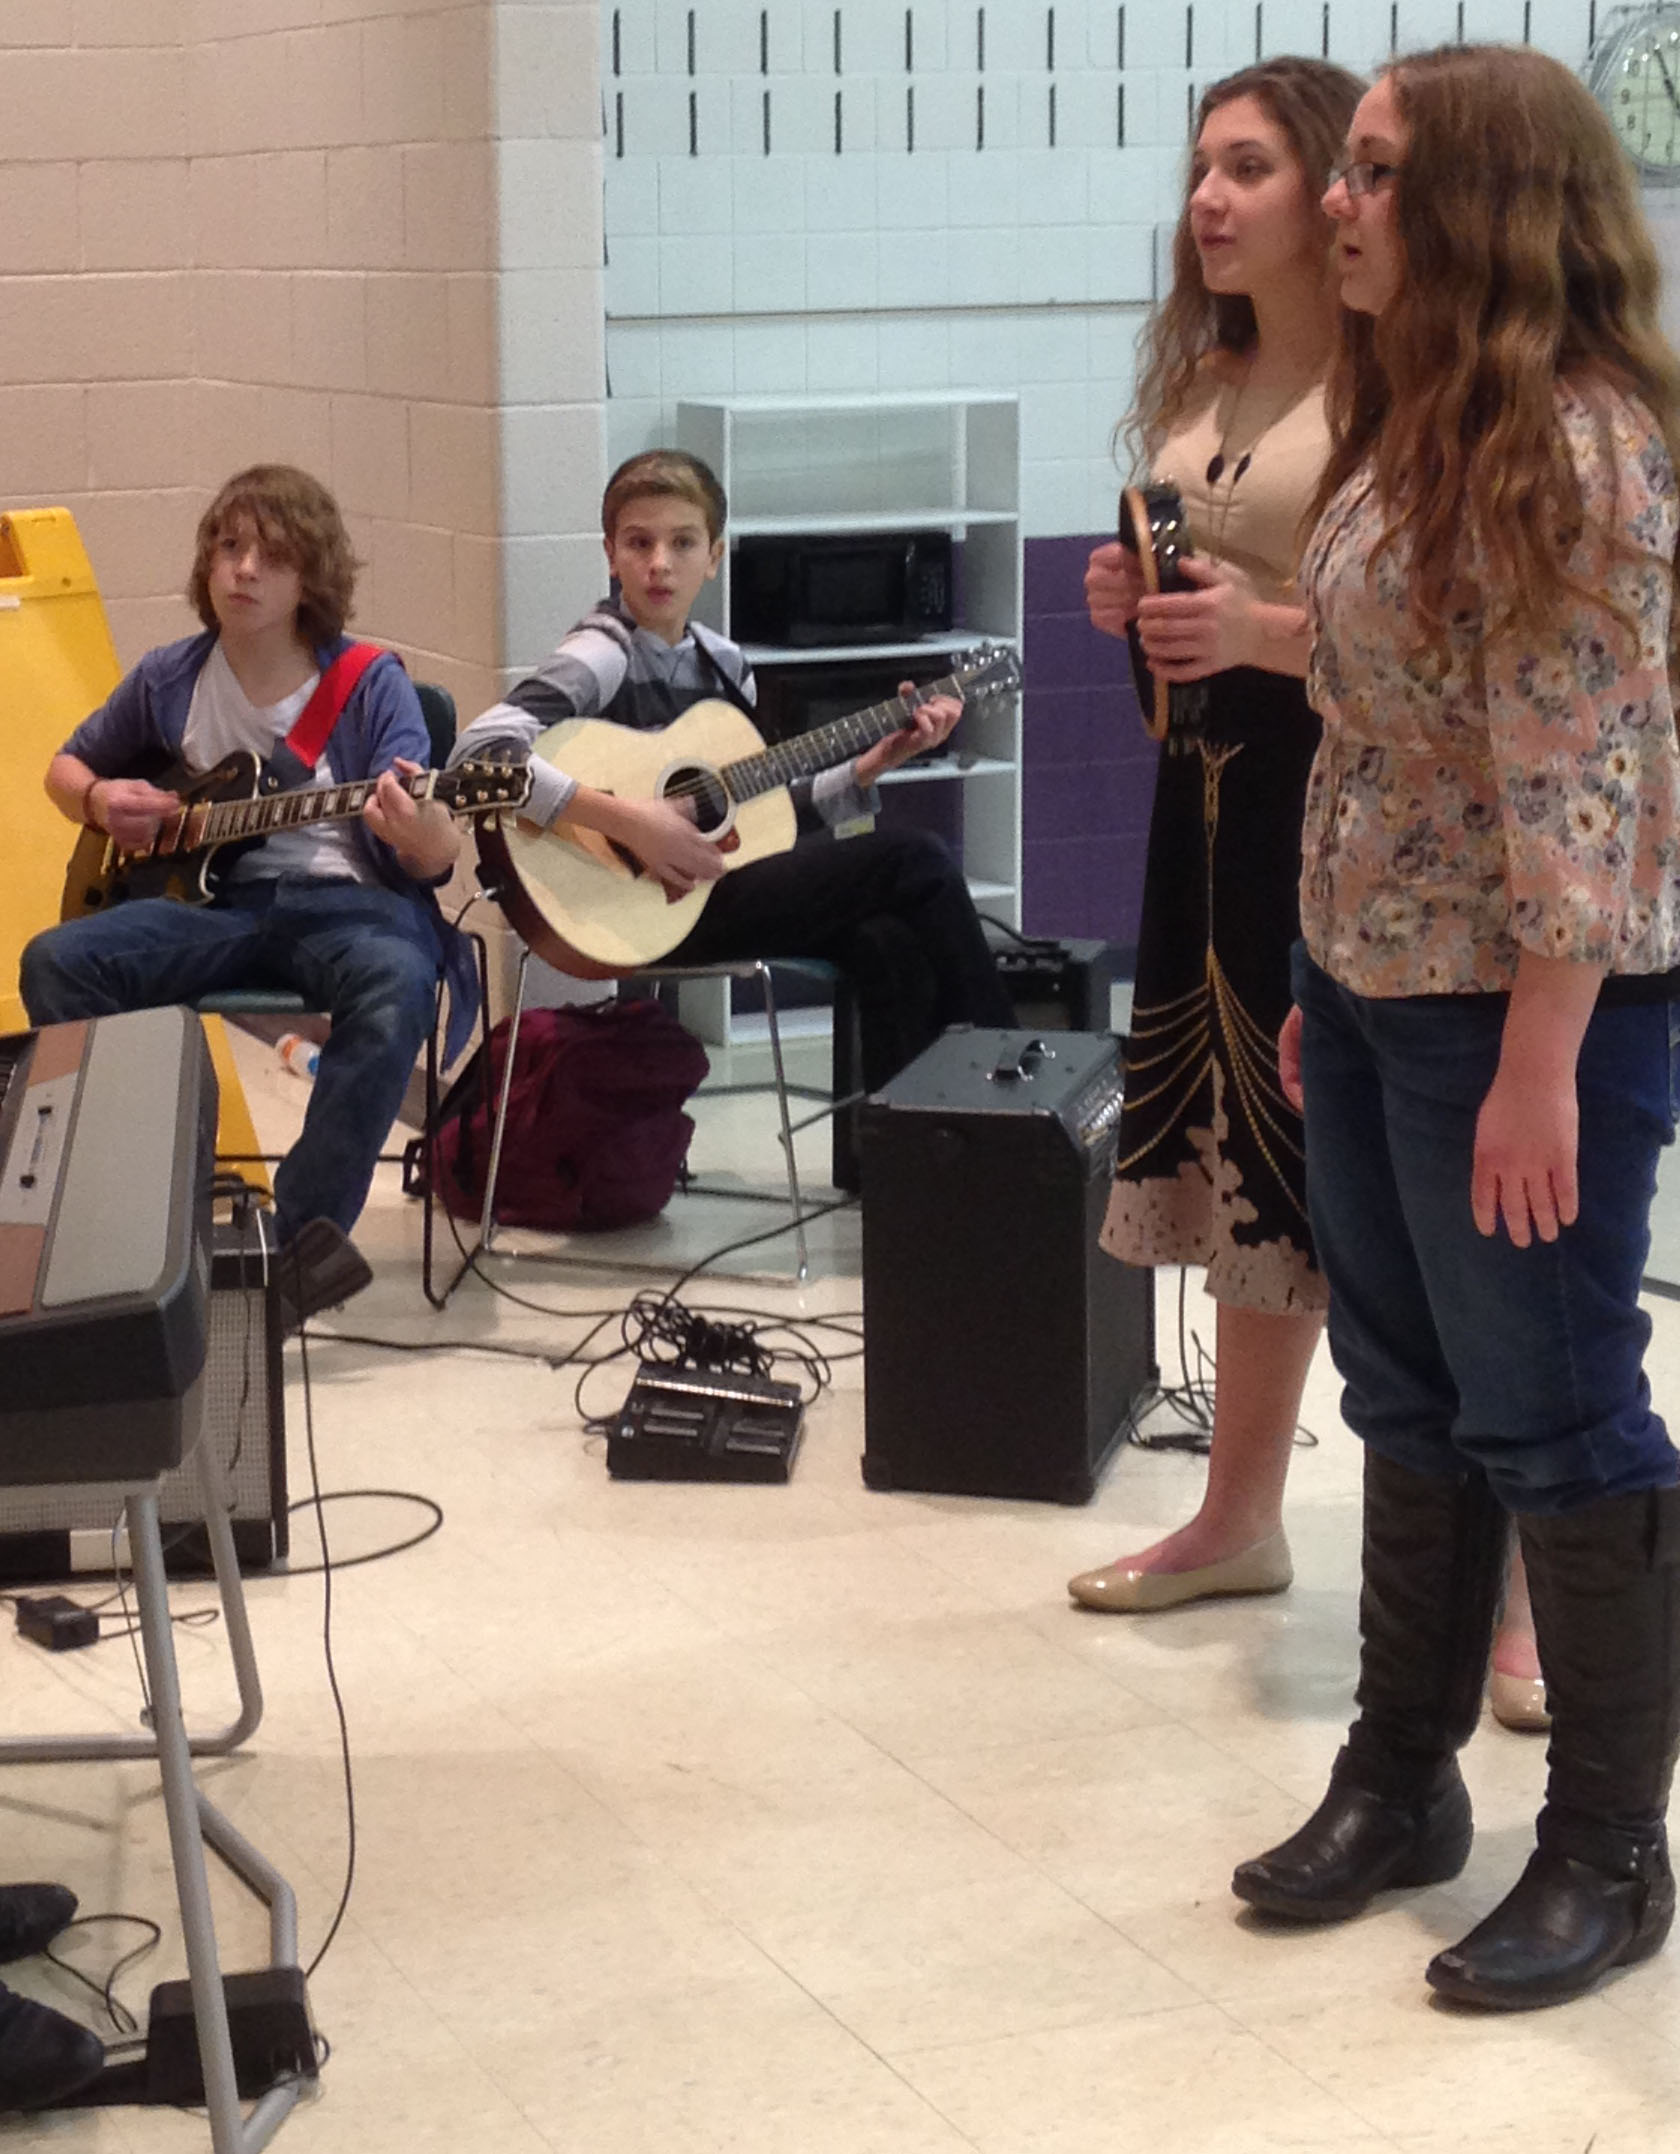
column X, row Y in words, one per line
column 59, row 1533
column 1060, row 986
column 1003, row 1348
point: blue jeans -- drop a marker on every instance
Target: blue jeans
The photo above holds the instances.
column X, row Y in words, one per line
column 1457, row 1348
column 366, row 956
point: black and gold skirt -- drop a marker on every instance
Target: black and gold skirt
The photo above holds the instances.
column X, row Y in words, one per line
column 1210, row 1166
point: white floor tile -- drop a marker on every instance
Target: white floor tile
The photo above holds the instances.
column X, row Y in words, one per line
column 808, row 1820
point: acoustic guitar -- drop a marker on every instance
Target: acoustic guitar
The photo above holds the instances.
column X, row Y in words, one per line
column 1154, row 526
column 588, row 906
column 227, row 810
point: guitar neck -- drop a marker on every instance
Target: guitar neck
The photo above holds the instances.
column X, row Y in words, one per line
column 218, row 822
column 808, row 753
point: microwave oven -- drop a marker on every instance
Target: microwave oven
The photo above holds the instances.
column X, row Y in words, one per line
column 865, row 587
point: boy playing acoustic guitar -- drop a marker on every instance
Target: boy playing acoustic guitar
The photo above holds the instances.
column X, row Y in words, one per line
column 341, row 913
column 889, row 908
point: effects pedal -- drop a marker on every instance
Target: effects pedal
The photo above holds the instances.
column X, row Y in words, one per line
column 681, row 1424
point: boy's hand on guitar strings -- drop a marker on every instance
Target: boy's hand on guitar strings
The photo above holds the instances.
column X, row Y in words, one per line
column 1113, row 587
column 1186, row 635
column 926, row 727
column 662, row 836
column 128, row 809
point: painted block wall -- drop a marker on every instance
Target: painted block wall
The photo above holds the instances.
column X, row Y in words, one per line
column 804, row 196
column 359, row 235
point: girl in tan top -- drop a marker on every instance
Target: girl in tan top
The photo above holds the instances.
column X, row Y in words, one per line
column 1209, row 1167
column 1487, row 1036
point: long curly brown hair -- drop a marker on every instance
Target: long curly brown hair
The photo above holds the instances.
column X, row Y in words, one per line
column 1311, row 101
column 1526, row 261
column 298, row 523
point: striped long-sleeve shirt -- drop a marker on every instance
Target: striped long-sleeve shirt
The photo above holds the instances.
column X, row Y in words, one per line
column 607, row 667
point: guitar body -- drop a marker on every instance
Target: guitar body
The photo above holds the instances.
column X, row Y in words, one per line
column 584, row 905
column 101, row 874
column 235, row 806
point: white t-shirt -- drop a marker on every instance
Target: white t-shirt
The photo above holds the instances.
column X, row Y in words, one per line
column 222, row 718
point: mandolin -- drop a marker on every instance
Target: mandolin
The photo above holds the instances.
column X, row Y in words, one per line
column 228, row 809
column 589, row 907
column 1154, row 526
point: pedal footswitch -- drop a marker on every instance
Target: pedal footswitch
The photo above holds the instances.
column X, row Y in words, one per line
column 681, row 1424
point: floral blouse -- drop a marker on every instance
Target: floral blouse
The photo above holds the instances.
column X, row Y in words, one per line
column 1526, row 797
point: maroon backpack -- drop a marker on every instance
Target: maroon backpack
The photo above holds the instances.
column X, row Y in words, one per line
column 595, row 1136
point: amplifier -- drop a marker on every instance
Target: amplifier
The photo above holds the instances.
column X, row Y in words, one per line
column 1054, row 986
column 60, row 1532
column 1003, row 1347
column 1060, row 986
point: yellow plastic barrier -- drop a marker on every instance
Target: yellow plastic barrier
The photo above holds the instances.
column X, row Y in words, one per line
column 57, row 662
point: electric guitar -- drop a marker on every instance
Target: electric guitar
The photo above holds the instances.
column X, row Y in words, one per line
column 229, row 808
column 1154, row 526
column 588, row 906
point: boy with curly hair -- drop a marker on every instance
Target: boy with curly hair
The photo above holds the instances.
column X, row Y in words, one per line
column 342, row 913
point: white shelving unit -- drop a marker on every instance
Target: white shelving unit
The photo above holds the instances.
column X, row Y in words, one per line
column 922, row 461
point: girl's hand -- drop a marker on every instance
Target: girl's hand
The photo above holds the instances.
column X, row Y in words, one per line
column 1187, row 635
column 1113, row 587
column 1524, row 1170
column 1289, row 1058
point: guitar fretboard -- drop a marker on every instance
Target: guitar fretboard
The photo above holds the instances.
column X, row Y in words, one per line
column 218, row 822
column 837, row 742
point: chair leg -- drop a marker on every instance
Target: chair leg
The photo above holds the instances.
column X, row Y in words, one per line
column 794, row 1197
column 428, row 1226
column 428, row 1213
column 487, row 1219
column 180, row 1801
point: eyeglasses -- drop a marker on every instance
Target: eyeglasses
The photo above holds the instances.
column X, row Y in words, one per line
column 1363, row 178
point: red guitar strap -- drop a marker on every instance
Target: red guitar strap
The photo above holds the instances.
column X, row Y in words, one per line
column 326, row 706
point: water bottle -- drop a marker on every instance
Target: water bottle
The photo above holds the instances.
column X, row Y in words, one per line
column 302, row 1057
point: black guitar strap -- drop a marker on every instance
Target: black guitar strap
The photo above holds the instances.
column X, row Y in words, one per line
column 730, row 690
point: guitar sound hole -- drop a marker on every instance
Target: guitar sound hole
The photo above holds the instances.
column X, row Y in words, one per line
column 711, row 802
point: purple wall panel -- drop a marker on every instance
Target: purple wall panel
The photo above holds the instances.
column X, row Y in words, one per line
column 1088, row 766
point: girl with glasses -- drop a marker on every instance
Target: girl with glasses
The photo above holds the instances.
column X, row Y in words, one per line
column 1486, row 1030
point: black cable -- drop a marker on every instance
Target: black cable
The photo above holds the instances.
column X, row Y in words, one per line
column 1191, row 1399
column 325, row 1569
column 597, row 1424
column 465, row 1346
column 1024, row 942
column 374, row 1555
column 115, row 2010
column 188, row 1619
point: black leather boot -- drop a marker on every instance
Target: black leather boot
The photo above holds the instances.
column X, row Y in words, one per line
column 43, row 2055
column 1397, row 1812
column 1598, row 1892
column 31, row 1916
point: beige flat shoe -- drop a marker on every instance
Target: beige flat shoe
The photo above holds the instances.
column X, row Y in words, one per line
column 1519, row 1701
column 1122, row 1589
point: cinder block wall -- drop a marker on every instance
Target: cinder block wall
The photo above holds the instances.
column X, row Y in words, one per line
column 250, row 229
